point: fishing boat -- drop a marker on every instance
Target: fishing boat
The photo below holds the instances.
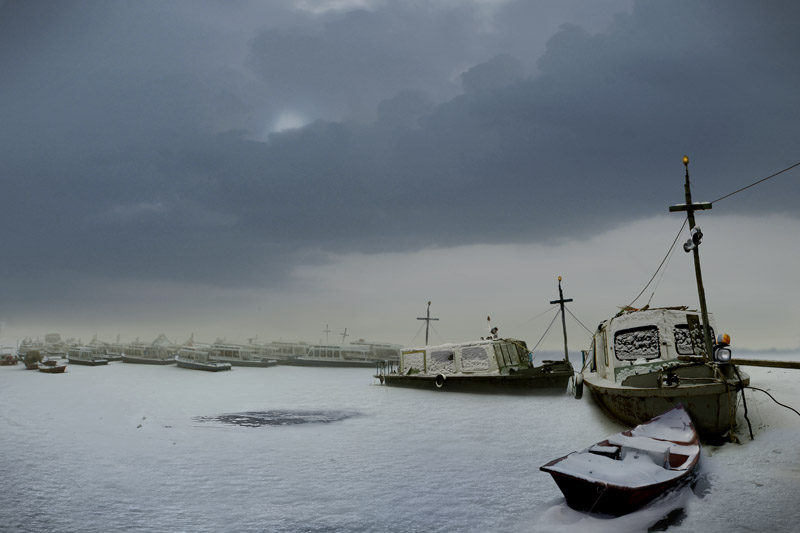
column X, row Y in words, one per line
column 629, row 469
column 52, row 366
column 197, row 358
column 31, row 359
column 7, row 356
column 642, row 362
column 495, row 365
column 85, row 355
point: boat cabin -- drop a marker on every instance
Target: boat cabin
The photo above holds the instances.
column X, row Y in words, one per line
column 501, row 356
column 636, row 342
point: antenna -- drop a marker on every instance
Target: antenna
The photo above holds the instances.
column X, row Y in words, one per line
column 344, row 334
column 326, row 331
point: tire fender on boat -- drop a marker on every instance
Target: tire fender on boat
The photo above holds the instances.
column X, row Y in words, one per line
column 439, row 381
column 577, row 386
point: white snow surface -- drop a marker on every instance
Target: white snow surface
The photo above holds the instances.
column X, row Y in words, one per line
column 120, row 448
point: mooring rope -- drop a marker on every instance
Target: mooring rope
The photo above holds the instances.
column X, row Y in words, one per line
column 773, row 399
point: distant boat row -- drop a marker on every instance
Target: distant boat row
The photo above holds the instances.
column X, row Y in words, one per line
column 210, row 357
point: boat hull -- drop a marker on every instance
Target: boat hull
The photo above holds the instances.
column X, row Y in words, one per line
column 57, row 369
column 251, row 363
column 88, row 362
column 712, row 406
column 603, row 498
column 208, row 367
column 148, row 360
column 330, row 363
column 613, row 485
column 551, row 378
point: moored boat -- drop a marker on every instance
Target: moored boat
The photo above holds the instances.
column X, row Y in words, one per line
column 359, row 355
column 629, row 469
column 52, row 366
column 8, row 357
column 643, row 362
column 159, row 352
column 85, row 355
column 238, row 355
column 496, row 365
column 197, row 358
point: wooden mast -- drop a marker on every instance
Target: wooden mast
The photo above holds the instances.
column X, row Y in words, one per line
column 427, row 320
column 694, row 246
column 561, row 301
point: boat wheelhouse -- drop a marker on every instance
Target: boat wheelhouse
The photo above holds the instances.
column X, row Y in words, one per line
column 644, row 362
column 495, row 365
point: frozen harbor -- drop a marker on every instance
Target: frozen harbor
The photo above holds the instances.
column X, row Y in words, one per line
column 287, row 449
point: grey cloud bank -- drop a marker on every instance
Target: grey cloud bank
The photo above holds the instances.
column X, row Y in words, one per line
column 134, row 144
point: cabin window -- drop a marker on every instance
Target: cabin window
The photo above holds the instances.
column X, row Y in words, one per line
column 441, row 361
column 474, row 358
column 637, row 343
column 683, row 341
column 414, row 360
column 506, row 354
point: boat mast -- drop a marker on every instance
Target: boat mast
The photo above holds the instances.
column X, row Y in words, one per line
column 561, row 301
column 690, row 208
column 427, row 320
column 344, row 334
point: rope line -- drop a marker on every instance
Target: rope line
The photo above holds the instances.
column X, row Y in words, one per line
column 545, row 332
column 591, row 333
column 756, row 183
column 773, row 399
column 669, row 252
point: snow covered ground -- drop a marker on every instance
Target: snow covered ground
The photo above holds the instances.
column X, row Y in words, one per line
column 148, row 448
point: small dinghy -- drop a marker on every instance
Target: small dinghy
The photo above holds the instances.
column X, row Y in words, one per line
column 629, row 469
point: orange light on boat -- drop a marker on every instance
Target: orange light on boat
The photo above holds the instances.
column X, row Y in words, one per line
column 724, row 339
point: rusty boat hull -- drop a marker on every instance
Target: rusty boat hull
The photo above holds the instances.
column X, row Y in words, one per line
column 709, row 395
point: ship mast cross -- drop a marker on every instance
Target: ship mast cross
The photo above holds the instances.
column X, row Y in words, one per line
column 690, row 208
column 561, row 301
column 427, row 320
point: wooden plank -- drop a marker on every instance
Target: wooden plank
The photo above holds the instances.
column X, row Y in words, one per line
column 767, row 363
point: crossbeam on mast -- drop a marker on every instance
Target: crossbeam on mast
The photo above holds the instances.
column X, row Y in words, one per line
column 690, row 208
column 427, row 320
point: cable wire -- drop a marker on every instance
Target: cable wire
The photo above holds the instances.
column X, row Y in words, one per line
column 545, row 333
column 591, row 333
column 756, row 183
column 773, row 399
column 678, row 236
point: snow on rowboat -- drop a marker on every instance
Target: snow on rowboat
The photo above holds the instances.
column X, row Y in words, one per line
column 629, row 469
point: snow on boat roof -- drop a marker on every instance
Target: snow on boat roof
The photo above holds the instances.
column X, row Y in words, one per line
column 674, row 425
column 452, row 345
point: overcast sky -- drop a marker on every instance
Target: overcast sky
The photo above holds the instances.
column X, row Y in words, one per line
column 244, row 168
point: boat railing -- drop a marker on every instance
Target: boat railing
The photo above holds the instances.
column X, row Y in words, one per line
column 383, row 368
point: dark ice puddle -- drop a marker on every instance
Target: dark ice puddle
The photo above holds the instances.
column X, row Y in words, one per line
column 255, row 419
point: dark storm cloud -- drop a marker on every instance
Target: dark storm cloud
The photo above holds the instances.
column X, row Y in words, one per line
column 130, row 140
